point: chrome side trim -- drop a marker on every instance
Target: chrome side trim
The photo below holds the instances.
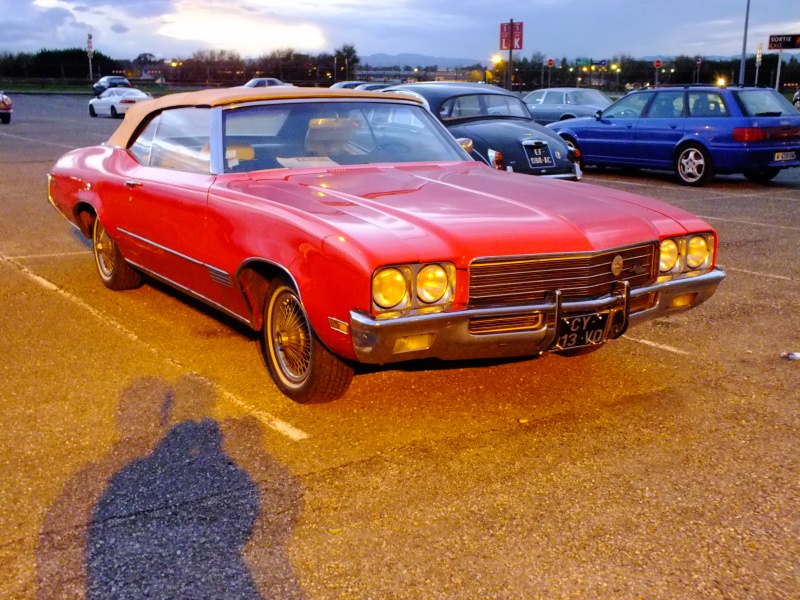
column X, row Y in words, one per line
column 191, row 293
column 217, row 275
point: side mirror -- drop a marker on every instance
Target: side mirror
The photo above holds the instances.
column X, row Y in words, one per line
column 467, row 144
column 598, row 114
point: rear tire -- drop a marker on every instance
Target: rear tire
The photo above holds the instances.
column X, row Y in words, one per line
column 115, row 273
column 762, row 174
column 114, row 113
column 693, row 165
column 5, row 119
column 302, row 368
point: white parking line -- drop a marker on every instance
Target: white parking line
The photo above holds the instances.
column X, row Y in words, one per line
column 54, row 255
column 772, row 225
column 38, row 141
column 267, row 419
column 769, row 275
column 659, row 346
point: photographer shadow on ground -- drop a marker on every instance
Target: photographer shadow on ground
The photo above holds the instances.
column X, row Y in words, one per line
column 183, row 506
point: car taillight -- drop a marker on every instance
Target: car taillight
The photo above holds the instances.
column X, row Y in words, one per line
column 759, row 134
column 496, row 160
column 127, row 101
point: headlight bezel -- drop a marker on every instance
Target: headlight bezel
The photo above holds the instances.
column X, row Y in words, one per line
column 689, row 261
column 416, row 300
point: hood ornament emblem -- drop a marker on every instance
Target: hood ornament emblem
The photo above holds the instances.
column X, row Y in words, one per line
column 616, row 265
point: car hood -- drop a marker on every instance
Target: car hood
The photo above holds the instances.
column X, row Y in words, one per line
column 460, row 211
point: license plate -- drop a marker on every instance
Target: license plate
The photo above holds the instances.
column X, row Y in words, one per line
column 585, row 330
column 785, row 156
column 539, row 156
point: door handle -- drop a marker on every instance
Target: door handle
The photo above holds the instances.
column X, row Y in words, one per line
column 132, row 183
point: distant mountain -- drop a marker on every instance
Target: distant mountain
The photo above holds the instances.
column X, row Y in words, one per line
column 415, row 60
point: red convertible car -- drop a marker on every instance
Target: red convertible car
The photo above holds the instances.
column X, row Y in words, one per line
column 350, row 226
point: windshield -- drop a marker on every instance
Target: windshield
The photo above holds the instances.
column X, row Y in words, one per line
column 764, row 103
column 483, row 105
column 331, row 133
column 591, row 97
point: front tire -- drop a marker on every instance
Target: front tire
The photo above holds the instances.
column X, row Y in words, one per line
column 302, row 368
column 115, row 273
column 693, row 165
column 5, row 118
column 92, row 111
column 762, row 174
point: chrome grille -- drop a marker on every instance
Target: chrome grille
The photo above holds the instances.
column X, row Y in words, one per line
column 511, row 281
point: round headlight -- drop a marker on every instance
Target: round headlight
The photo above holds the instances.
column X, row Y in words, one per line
column 431, row 283
column 669, row 255
column 696, row 251
column 389, row 288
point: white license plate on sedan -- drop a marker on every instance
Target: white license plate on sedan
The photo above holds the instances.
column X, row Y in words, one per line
column 539, row 156
column 779, row 156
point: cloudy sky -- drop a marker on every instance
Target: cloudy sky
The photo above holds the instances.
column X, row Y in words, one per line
column 456, row 29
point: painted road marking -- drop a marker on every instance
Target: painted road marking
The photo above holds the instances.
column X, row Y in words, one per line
column 267, row 419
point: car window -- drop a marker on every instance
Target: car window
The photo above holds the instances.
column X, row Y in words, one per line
column 327, row 134
column 707, row 104
column 589, row 97
column 666, row 105
column 627, row 107
column 534, row 97
column 460, row 107
column 553, row 98
column 143, row 143
column 483, row 105
column 764, row 103
column 181, row 140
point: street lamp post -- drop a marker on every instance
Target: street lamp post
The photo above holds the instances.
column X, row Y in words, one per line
column 744, row 44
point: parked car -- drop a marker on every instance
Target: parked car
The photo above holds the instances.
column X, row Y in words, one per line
column 372, row 86
column 264, row 82
column 695, row 131
column 556, row 104
column 348, row 85
column 351, row 227
column 115, row 102
column 502, row 131
column 5, row 109
column 796, row 99
column 109, row 81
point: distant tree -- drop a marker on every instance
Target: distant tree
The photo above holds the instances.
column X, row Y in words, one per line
column 145, row 59
column 346, row 61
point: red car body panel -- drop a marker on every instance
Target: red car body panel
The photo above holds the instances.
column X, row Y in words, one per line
column 321, row 219
column 330, row 229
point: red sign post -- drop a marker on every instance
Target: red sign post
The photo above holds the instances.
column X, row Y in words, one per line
column 510, row 39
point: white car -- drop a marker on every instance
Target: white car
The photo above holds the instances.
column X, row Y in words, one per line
column 265, row 82
column 114, row 102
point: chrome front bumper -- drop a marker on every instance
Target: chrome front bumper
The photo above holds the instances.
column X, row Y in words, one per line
column 447, row 336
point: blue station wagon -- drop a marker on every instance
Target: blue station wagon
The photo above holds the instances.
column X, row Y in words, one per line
column 695, row 131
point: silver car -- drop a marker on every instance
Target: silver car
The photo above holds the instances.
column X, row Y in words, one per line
column 556, row 104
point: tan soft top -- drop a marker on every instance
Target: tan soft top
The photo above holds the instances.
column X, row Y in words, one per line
column 226, row 96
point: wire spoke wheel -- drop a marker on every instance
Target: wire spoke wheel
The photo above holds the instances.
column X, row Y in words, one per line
column 300, row 365
column 105, row 251
column 291, row 337
column 115, row 273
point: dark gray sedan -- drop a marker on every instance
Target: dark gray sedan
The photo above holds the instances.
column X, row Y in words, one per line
column 556, row 104
column 498, row 123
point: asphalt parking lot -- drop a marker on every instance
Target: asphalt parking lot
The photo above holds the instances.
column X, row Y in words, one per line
column 144, row 442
